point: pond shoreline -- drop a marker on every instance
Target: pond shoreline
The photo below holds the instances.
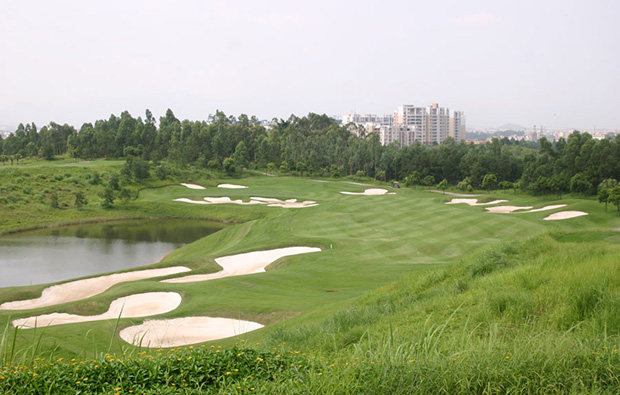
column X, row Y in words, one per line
column 56, row 253
column 104, row 220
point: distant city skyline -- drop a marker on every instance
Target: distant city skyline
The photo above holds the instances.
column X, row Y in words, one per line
column 547, row 62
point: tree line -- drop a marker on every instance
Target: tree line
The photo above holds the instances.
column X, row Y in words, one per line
column 318, row 145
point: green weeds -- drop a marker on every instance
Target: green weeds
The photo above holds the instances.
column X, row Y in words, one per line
column 238, row 369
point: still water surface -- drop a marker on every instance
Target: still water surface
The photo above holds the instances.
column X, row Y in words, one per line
column 49, row 255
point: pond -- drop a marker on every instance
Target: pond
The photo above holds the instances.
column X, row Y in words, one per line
column 54, row 254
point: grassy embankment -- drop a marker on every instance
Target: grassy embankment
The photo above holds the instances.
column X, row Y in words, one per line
column 491, row 320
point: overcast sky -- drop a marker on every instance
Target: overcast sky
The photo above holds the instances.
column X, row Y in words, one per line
column 551, row 63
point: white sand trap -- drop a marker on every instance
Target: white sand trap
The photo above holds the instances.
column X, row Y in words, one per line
column 216, row 200
column 546, row 208
column 247, row 263
column 455, row 194
column 140, row 305
column 564, row 215
column 186, row 200
column 510, row 209
column 474, row 202
column 82, row 289
column 183, row 331
column 227, row 200
column 192, row 186
column 289, row 203
column 271, row 202
column 507, row 209
column 368, row 192
column 231, row 186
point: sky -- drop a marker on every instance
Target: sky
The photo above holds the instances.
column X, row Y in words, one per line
column 550, row 63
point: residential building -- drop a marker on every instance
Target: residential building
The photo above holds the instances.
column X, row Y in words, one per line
column 404, row 135
column 433, row 123
column 368, row 118
column 427, row 125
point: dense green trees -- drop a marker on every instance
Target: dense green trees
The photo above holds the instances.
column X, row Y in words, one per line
column 317, row 145
column 489, row 182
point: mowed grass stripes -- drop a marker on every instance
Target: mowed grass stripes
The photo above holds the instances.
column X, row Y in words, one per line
column 367, row 242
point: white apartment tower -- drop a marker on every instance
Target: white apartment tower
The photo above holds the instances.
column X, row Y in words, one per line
column 433, row 123
column 405, row 135
column 427, row 125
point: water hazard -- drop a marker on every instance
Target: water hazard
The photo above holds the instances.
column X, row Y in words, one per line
column 55, row 254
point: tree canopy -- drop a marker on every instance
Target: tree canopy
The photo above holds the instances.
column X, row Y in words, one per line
column 318, row 145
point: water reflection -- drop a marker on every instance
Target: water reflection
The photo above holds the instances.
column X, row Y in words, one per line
column 49, row 255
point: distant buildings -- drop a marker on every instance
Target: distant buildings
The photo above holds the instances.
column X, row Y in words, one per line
column 427, row 125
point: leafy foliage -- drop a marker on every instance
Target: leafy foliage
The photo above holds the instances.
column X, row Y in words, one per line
column 314, row 143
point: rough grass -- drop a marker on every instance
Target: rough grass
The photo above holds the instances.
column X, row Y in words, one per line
column 541, row 318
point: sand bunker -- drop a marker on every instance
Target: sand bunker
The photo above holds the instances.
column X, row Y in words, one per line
column 368, row 192
column 454, row 194
column 183, row 331
column 231, row 186
column 546, row 208
column 564, row 215
column 140, row 305
column 510, row 209
column 248, row 263
column 474, row 202
column 271, row 202
column 289, row 203
column 227, row 200
column 192, row 186
column 82, row 289
column 507, row 209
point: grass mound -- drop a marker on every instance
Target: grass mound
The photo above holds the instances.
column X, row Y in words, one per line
column 531, row 316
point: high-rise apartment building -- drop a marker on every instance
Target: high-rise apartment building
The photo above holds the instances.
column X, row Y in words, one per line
column 405, row 135
column 427, row 125
column 433, row 123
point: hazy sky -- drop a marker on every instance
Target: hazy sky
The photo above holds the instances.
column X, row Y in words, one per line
column 551, row 63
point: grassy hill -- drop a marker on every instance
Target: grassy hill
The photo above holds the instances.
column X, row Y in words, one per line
column 408, row 295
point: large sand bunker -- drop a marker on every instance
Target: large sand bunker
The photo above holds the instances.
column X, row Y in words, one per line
column 270, row 202
column 247, row 263
column 192, row 186
column 474, row 202
column 368, row 192
column 231, row 186
column 507, row 209
column 288, row 203
column 183, row 331
column 523, row 209
column 140, row 305
column 82, row 289
column 564, row 215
